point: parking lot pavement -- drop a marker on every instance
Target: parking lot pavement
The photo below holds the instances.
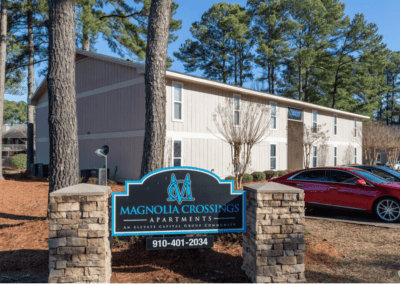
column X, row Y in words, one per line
column 360, row 218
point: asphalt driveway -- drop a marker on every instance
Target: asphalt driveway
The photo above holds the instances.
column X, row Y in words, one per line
column 354, row 217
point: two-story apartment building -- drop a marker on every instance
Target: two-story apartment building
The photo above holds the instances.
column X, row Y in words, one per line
column 111, row 110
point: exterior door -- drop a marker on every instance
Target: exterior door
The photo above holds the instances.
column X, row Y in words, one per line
column 295, row 147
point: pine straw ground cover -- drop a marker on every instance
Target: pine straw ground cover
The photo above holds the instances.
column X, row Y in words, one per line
column 336, row 252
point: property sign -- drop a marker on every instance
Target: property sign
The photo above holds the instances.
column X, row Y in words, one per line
column 179, row 200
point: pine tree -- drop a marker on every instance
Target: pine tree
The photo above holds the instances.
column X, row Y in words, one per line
column 3, row 55
column 220, row 36
column 124, row 28
column 311, row 24
column 155, row 79
column 62, row 119
column 357, row 44
column 269, row 21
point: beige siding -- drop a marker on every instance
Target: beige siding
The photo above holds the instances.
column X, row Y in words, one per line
column 344, row 140
column 42, row 152
column 201, row 148
column 93, row 74
column 119, row 110
column 125, row 153
column 42, row 126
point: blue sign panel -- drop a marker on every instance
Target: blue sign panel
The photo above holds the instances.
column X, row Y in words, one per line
column 179, row 200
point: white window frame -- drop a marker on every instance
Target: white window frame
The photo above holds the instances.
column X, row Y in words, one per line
column 316, row 157
column 270, row 157
column 355, row 155
column 335, row 156
column 181, row 157
column 312, row 120
column 335, row 120
column 355, row 127
column 270, row 116
column 302, row 113
column 173, row 101
column 240, row 98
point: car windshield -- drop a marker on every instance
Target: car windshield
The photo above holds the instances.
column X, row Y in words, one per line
column 370, row 176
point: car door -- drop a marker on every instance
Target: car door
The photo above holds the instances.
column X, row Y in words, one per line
column 314, row 183
column 345, row 192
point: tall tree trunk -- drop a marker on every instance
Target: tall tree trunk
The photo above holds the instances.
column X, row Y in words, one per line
column 392, row 104
column 236, row 68
column 273, row 79
column 387, row 108
column 306, row 93
column 156, row 61
column 301, row 80
column 3, row 45
column 31, row 108
column 63, row 124
column 269, row 78
column 86, row 44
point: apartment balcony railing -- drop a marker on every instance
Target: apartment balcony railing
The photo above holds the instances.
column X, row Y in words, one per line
column 14, row 147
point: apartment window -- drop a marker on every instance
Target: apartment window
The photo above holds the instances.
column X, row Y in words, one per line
column 236, row 109
column 355, row 155
column 273, row 157
column 295, row 114
column 177, row 153
column 335, row 125
column 355, row 127
column 335, row 156
column 314, row 157
column 273, row 115
column 178, row 101
column 314, row 120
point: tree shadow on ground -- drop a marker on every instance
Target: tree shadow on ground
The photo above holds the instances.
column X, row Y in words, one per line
column 21, row 217
column 11, row 225
column 24, row 266
column 205, row 265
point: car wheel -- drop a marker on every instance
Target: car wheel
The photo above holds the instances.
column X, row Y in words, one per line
column 388, row 210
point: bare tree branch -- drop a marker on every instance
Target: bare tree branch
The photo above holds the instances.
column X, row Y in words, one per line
column 252, row 128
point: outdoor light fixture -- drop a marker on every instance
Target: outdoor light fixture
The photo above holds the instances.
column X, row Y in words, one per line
column 103, row 152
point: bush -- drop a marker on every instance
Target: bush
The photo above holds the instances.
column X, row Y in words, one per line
column 258, row 176
column 270, row 174
column 281, row 173
column 19, row 161
column 247, row 178
column 230, row 178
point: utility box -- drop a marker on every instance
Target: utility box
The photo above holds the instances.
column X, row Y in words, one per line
column 34, row 169
column 92, row 173
column 43, row 170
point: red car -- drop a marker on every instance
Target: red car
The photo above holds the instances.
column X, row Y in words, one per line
column 350, row 188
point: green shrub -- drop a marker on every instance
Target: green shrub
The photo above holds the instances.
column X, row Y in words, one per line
column 258, row 176
column 230, row 178
column 19, row 161
column 281, row 173
column 270, row 174
column 247, row 178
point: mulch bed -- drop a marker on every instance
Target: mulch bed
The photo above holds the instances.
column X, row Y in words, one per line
column 336, row 252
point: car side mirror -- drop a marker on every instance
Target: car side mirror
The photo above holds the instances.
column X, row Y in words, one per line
column 360, row 182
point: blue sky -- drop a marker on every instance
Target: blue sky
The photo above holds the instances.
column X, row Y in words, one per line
column 385, row 13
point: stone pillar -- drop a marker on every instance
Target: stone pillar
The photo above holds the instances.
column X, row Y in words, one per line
column 273, row 245
column 79, row 237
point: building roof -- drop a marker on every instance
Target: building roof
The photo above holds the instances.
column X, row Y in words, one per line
column 17, row 131
column 82, row 54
